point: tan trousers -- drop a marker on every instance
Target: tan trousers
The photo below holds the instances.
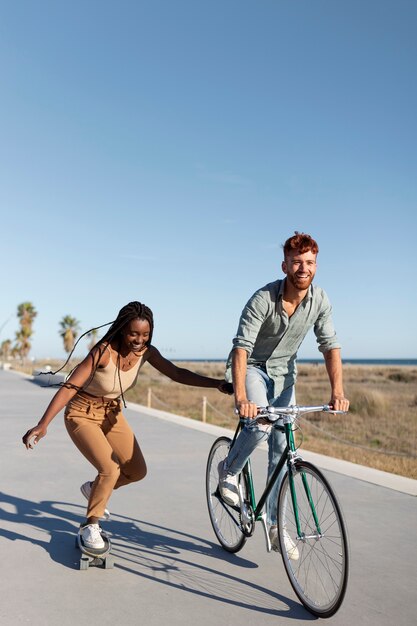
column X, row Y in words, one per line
column 101, row 433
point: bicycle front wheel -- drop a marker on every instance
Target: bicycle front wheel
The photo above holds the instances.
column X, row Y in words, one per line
column 224, row 518
column 316, row 560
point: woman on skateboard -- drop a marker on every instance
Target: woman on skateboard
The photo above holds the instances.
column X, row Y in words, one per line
column 92, row 398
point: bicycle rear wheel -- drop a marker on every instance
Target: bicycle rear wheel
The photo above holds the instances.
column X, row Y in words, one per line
column 224, row 518
column 318, row 565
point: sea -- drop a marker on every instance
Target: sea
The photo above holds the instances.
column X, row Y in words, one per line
column 346, row 361
column 399, row 362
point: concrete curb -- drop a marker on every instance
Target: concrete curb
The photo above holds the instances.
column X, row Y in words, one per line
column 360, row 472
column 43, row 379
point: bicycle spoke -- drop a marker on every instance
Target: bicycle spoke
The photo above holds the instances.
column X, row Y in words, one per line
column 319, row 575
column 224, row 518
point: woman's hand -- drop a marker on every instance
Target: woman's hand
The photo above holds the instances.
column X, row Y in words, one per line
column 75, row 382
column 225, row 387
column 34, row 434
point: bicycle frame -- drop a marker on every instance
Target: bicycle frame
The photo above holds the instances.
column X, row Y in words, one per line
column 288, row 456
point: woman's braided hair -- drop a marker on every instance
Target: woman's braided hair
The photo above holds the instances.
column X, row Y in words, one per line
column 131, row 311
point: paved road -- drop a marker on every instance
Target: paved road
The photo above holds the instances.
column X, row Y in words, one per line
column 169, row 568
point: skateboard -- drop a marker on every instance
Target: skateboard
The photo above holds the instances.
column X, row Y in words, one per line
column 95, row 558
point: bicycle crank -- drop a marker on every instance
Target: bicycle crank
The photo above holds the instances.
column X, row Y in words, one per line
column 247, row 519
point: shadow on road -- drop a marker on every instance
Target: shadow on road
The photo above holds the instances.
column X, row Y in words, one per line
column 155, row 552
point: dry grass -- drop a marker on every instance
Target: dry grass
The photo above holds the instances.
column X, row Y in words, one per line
column 381, row 427
column 379, row 431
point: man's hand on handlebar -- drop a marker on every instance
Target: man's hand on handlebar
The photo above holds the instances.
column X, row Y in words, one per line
column 247, row 409
column 339, row 403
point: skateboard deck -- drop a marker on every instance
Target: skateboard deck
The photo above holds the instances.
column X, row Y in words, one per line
column 95, row 558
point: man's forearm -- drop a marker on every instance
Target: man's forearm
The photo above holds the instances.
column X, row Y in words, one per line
column 334, row 369
column 239, row 367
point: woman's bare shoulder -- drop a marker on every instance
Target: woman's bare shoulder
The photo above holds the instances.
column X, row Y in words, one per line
column 101, row 354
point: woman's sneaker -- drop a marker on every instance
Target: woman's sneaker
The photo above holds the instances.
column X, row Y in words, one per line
column 290, row 547
column 91, row 537
column 86, row 491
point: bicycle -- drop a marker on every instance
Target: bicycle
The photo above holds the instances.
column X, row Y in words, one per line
column 307, row 511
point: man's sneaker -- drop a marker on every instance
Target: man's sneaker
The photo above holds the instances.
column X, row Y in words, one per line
column 228, row 486
column 91, row 537
column 86, row 491
column 290, row 547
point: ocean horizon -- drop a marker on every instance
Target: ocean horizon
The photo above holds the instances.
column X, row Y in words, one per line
column 346, row 361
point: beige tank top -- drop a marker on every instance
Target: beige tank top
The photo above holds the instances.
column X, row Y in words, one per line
column 106, row 381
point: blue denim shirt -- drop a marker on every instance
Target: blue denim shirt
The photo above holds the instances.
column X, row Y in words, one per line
column 272, row 339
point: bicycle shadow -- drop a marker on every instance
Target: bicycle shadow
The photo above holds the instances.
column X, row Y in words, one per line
column 151, row 551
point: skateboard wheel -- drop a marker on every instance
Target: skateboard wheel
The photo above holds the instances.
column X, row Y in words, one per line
column 84, row 563
column 108, row 562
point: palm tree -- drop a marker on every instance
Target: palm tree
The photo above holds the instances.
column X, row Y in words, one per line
column 5, row 348
column 69, row 331
column 26, row 314
column 23, row 345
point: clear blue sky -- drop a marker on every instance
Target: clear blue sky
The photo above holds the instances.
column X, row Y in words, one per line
column 163, row 150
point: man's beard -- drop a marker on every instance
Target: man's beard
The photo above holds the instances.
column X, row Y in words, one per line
column 300, row 283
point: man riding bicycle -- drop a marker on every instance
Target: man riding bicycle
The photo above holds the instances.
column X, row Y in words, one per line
column 262, row 363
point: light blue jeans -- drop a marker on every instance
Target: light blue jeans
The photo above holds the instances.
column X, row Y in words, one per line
column 259, row 389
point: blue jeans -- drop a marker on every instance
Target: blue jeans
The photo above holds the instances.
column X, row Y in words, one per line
column 259, row 389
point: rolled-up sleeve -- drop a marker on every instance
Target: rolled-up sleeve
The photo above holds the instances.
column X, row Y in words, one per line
column 324, row 329
column 251, row 320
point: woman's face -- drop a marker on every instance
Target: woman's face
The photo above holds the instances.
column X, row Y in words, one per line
column 136, row 334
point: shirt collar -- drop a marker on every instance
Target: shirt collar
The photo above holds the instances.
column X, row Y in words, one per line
column 308, row 295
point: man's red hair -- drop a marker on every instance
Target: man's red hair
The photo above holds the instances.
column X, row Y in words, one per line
column 300, row 242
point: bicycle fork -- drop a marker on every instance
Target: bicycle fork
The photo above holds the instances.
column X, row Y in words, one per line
column 291, row 464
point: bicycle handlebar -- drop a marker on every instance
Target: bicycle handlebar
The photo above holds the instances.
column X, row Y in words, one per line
column 274, row 413
column 295, row 410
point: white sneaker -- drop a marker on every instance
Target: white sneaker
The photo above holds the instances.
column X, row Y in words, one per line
column 228, row 486
column 91, row 537
column 86, row 491
column 290, row 547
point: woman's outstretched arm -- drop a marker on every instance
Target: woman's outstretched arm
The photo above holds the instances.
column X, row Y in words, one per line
column 183, row 375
